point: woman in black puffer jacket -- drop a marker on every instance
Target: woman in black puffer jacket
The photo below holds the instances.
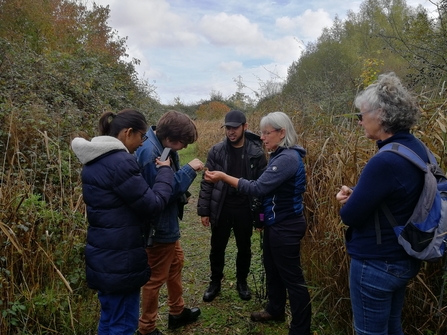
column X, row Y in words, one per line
column 119, row 205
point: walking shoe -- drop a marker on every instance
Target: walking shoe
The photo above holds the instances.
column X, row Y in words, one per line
column 264, row 316
column 244, row 291
column 211, row 292
column 187, row 316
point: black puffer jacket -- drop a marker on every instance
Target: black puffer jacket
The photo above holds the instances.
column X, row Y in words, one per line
column 211, row 197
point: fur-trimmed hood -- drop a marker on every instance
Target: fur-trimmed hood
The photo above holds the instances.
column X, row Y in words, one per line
column 86, row 151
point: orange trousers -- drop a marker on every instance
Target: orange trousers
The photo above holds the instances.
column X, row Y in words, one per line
column 166, row 262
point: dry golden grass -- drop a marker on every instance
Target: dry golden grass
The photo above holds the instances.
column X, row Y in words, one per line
column 43, row 226
column 210, row 133
column 336, row 153
column 336, row 156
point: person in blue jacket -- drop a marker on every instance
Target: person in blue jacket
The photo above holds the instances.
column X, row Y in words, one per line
column 281, row 189
column 119, row 202
column 379, row 272
column 174, row 130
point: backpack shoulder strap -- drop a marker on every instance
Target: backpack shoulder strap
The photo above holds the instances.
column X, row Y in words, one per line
column 409, row 154
column 390, row 218
column 431, row 165
column 414, row 158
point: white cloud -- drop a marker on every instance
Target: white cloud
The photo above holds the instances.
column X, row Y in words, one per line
column 223, row 30
column 308, row 26
column 189, row 48
column 230, row 66
column 238, row 33
column 154, row 22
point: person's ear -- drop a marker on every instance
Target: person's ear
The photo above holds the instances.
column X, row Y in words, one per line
column 283, row 133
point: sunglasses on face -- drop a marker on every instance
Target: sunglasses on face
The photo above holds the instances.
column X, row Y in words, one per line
column 360, row 116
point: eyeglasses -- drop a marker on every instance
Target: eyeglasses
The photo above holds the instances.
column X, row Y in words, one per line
column 360, row 116
column 143, row 136
column 266, row 133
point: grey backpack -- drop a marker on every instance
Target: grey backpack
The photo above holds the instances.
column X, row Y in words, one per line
column 425, row 233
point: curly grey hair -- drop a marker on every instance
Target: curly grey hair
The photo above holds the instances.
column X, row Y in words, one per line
column 396, row 106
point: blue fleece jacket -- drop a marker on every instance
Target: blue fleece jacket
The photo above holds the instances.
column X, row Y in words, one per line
column 281, row 186
column 389, row 178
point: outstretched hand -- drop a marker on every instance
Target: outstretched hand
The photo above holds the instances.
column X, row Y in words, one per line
column 214, row 176
column 196, row 164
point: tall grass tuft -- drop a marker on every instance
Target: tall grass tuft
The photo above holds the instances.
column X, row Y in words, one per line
column 42, row 237
column 43, row 227
column 336, row 153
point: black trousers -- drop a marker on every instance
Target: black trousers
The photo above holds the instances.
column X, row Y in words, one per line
column 240, row 220
column 282, row 261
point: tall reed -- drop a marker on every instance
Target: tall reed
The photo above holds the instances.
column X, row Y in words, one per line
column 42, row 235
column 43, row 224
column 336, row 153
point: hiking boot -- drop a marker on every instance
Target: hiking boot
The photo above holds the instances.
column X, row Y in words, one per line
column 187, row 316
column 211, row 292
column 244, row 291
column 264, row 316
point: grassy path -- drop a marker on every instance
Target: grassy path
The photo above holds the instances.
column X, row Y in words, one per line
column 227, row 314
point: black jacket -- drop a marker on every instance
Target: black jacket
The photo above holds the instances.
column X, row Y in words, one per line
column 211, row 196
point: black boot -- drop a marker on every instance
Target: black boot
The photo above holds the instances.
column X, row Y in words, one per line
column 187, row 316
column 243, row 290
column 211, row 292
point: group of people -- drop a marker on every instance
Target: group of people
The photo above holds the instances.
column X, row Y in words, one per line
column 135, row 201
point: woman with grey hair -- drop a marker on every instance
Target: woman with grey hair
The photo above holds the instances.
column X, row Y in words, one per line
column 379, row 272
column 281, row 188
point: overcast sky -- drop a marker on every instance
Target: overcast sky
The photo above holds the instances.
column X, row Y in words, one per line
column 190, row 48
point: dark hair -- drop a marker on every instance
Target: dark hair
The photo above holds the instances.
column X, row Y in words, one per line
column 395, row 105
column 111, row 124
column 177, row 126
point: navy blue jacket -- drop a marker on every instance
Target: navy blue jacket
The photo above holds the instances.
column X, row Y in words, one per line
column 119, row 202
column 281, row 186
column 389, row 178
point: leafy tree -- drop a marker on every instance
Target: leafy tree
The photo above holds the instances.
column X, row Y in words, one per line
column 213, row 110
column 323, row 73
column 422, row 43
column 51, row 89
column 348, row 56
column 60, row 25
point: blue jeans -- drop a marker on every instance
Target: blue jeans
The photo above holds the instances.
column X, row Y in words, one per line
column 377, row 294
column 119, row 313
